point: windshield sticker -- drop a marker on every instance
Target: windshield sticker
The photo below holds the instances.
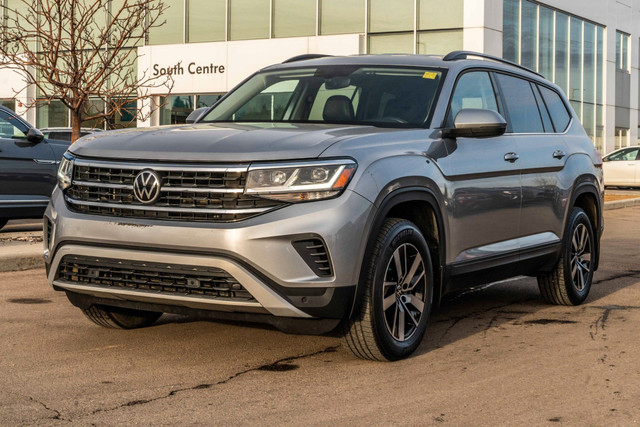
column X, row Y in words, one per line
column 429, row 75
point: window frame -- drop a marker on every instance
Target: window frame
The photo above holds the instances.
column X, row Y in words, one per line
column 489, row 71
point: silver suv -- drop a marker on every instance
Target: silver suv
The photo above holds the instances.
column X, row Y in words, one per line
column 325, row 192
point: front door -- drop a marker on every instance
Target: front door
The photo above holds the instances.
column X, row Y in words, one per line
column 483, row 185
column 27, row 170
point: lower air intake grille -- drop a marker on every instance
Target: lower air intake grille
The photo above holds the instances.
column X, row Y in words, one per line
column 168, row 279
column 315, row 254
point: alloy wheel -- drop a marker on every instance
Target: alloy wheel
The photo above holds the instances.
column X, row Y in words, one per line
column 404, row 291
column 580, row 257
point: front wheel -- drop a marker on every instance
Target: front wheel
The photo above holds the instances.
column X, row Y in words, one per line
column 393, row 316
column 120, row 318
column 570, row 280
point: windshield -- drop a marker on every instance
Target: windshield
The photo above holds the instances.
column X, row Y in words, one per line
column 385, row 96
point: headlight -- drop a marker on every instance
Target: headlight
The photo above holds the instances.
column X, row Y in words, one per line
column 299, row 182
column 65, row 172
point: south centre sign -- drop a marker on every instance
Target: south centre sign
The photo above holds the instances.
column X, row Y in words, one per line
column 192, row 68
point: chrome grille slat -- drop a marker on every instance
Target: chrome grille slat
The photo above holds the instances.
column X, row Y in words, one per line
column 187, row 192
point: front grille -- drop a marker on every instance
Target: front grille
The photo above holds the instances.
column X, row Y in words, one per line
column 47, row 232
column 188, row 192
column 168, row 279
column 315, row 254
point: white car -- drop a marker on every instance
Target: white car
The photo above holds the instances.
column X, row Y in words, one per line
column 622, row 167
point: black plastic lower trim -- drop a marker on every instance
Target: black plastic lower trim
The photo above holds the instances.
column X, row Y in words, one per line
column 285, row 324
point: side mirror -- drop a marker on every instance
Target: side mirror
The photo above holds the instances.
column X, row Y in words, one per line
column 195, row 114
column 472, row 122
column 34, row 135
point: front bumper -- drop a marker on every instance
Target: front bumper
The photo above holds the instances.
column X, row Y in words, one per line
column 257, row 252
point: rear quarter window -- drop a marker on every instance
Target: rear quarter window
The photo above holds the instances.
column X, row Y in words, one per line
column 557, row 109
column 521, row 105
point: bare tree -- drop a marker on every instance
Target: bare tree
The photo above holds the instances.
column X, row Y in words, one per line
column 77, row 51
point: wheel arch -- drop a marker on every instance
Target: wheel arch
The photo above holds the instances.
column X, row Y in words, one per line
column 408, row 203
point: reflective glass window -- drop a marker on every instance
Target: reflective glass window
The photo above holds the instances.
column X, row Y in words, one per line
column 523, row 114
column 172, row 31
column 92, row 108
column 529, row 34
column 511, row 30
column 600, row 64
column 11, row 127
column 544, row 112
column 206, row 20
column 52, row 114
column 439, row 42
column 126, row 117
column 342, row 16
column 249, row 19
column 473, row 90
column 622, row 51
column 562, row 51
column 545, row 42
column 436, row 14
column 207, row 100
column 629, row 154
column 293, row 18
column 174, row 109
column 589, row 63
column 385, row 15
column 575, row 61
column 391, row 43
column 8, row 103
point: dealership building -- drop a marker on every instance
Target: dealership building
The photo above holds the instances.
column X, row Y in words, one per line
column 590, row 48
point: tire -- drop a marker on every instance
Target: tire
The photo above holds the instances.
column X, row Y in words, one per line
column 120, row 318
column 3, row 222
column 570, row 280
column 393, row 332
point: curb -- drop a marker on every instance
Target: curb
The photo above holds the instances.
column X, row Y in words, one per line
column 619, row 204
column 21, row 258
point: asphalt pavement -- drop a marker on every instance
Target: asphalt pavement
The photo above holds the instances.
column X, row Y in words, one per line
column 497, row 355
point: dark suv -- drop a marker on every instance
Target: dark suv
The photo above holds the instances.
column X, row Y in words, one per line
column 326, row 191
column 28, row 166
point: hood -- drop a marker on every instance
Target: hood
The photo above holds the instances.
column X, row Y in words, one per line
column 219, row 142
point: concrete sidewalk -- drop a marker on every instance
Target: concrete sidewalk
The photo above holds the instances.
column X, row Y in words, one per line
column 23, row 250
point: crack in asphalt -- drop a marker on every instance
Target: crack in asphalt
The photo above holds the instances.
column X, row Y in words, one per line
column 57, row 416
column 600, row 323
column 626, row 274
column 266, row 367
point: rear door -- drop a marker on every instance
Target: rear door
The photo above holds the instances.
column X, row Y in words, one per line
column 27, row 170
column 542, row 155
column 483, row 184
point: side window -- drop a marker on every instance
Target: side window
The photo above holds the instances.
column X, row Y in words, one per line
column 557, row 109
column 473, row 90
column 11, row 127
column 624, row 155
column 270, row 104
column 524, row 116
column 544, row 113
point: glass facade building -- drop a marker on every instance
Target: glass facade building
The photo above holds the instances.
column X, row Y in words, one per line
column 589, row 48
column 565, row 49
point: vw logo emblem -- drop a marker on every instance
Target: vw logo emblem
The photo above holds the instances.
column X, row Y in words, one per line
column 146, row 186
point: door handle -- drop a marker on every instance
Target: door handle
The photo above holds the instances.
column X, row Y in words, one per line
column 558, row 154
column 511, row 157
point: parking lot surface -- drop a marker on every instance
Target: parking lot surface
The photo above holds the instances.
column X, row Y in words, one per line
column 492, row 356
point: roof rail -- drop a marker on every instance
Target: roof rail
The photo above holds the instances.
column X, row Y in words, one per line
column 464, row 54
column 304, row 57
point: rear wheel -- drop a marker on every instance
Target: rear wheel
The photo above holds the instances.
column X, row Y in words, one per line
column 393, row 317
column 570, row 280
column 120, row 318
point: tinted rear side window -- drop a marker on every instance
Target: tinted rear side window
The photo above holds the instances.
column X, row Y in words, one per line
column 557, row 109
column 524, row 116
